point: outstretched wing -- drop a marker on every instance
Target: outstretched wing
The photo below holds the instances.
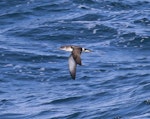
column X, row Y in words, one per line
column 76, row 55
column 72, row 66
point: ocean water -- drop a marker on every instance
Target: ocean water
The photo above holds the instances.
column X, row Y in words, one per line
column 112, row 83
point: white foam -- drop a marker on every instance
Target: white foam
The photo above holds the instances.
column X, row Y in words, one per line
column 8, row 65
column 42, row 69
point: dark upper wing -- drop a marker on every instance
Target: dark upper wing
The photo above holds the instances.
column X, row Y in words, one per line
column 76, row 55
column 72, row 66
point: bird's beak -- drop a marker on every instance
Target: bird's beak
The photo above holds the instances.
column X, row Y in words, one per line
column 62, row 48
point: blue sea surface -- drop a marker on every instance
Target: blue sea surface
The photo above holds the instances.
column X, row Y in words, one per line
column 112, row 83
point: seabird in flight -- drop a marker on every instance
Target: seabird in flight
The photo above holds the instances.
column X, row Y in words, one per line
column 74, row 58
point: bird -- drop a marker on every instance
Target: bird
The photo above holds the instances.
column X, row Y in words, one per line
column 74, row 57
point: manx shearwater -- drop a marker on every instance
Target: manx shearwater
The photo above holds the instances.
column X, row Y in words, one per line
column 74, row 58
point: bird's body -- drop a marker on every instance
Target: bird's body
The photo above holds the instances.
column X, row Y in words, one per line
column 74, row 58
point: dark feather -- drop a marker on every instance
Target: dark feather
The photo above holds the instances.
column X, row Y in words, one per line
column 76, row 55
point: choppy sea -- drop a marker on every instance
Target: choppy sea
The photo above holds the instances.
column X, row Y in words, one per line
column 112, row 83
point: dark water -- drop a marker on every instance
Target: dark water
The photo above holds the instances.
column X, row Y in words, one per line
column 114, row 81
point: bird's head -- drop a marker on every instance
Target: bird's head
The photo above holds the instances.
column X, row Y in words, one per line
column 66, row 48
